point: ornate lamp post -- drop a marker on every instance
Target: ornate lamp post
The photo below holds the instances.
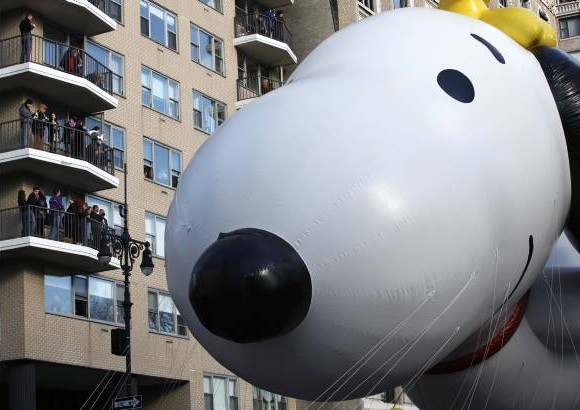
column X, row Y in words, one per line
column 127, row 250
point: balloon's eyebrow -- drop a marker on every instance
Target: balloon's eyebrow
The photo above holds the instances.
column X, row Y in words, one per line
column 498, row 56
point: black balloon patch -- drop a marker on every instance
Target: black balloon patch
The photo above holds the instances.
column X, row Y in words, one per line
column 250, row 285
column 456, row 85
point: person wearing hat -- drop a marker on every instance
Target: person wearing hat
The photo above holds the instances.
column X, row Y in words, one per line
column 26, row 113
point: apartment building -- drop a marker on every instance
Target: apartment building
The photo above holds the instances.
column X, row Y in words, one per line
column 144, row 83
column 568, row 15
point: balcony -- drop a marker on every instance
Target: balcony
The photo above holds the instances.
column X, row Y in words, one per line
column 264, row 38
column 566, row 8
column 255, row 86
column 88, row 17
column 67, row 74
column 61, row 238
column 62, row 153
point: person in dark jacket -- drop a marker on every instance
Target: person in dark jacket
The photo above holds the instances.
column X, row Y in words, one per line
column 26, row 215
column 69, row 136
column 37, row 202
column 80, row 138
column 26, row 113
column 26, row 27
column 96, row 225
column 54, row 133
column 56, row 211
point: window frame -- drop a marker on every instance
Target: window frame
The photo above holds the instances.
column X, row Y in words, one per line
column 73, row 297
column 175, row 314
column 170, row 170
column 166, row 13
column 109, row 65
column 564, row 27
column 215, row 104
column 166, row 90
column 219, row 9
column 282, row 399
column 197, row 45
column 153, row 236
column 227, row 379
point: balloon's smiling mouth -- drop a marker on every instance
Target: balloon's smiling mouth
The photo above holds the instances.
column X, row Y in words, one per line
column 530, row 253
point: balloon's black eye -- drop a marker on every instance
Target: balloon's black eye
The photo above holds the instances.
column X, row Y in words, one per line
column 456, row 85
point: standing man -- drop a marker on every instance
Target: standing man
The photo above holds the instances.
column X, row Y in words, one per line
column 26, row 114
column 26, row 27
column 56, row 212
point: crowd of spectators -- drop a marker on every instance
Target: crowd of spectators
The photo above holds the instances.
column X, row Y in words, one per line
column 80, row 223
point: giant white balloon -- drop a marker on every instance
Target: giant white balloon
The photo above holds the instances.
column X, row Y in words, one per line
column 414, row 163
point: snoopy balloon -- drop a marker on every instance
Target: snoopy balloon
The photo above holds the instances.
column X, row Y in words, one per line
column 357, row 228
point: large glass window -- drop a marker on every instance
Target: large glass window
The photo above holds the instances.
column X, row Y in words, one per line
column 116, row 10
column 208, row 114
column 111, row 60
column 155, row 233
column 264, row 400
column 220, row 393
column 57, row 294
column 207, row 49
column 161, row 164
column 114, row 138
column 159, row 92
column 163, row 315
column 84, row 296
column 570, row 27
column 113, row 216
column 158, row 24
column 214, row 4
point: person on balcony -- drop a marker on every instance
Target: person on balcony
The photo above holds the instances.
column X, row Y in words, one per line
column 72, row 61
column 53, row 132
column 96, row 225
column 26, row 27
column 79, row 141
column 69, row 136
column 26, row 113
column 37, row 202
column 26, row 215
column 56, row 211
column 40, row 123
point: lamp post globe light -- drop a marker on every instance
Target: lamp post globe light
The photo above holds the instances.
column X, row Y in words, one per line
column 127, row 250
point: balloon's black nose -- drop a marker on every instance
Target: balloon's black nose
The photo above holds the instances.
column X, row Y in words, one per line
column 250, row 285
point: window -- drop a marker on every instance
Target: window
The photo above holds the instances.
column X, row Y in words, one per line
column 112, row 212
column 264, row 400
column 570, row 27
column 114, row 138
column 158, row 24
column 207, row 49
column 214, row 4
column 369, row 4
column 161, row 164
column 208, row 114
column 220, row 393
column 163, row 315
column 84, row 296
column 111, row 60
column 159, row 92
column 116, row 10
column 155, row 234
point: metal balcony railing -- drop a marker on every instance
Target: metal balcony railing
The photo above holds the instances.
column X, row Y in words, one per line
column 62, row 57
column 565, row 8
column 258, row 23
column 29, row 220
column 61, row 140
column 254, row 86
column 109, row 7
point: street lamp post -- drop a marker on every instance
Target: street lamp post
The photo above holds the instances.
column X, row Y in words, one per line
column 127, row 250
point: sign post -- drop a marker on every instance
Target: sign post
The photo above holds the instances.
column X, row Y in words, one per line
column 129, row 402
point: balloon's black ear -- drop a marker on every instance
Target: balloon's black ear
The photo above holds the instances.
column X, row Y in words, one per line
column 563, row 74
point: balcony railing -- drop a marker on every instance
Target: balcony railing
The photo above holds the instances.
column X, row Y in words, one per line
column 565, row 8
column 257, row 23
column 254, row 86
column 58, row 139
column 62, row 57
column 109, row 7
column 29, row 220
